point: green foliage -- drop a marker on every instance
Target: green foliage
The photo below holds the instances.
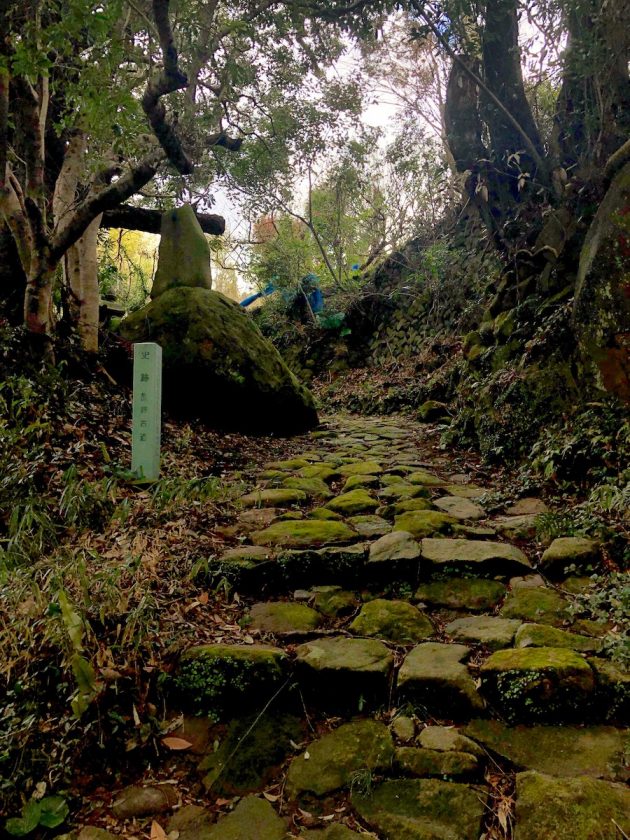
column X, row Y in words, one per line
column 49, row 812
column 607, row 602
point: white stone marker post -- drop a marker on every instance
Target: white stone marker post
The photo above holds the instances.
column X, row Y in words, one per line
column 146, row 421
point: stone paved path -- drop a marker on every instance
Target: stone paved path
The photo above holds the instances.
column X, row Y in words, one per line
column 416, row 674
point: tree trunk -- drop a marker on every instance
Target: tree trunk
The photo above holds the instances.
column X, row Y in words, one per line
column 81, row 276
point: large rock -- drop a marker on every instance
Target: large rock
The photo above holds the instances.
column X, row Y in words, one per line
column 395, row 621
column 184, row 255
column 462, row 593
column 602, row 300
column 218, row 366
column 596, row 751
column 422, row 809
column 567, row 552
column 556, row 809
column 330, row 763
column 252, row 819
column 476, row 556
column 486, row 630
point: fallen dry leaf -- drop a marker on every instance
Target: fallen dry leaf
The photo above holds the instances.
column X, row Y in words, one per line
column 173, row 743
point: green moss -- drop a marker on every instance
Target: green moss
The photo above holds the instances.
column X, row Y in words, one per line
column 542, row 635
column 462, row 593
column 537, row 604
column 361, row 468
column 424, row 523
column 275, row 497
column 304, row 534
column 352, row 503
column 325, row 513
column 394, row 621
column 314, row 487
column 422, row 762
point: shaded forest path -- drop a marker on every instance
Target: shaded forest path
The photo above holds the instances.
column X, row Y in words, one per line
column 408, row 667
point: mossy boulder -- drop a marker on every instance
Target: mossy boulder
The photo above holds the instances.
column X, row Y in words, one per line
column 462, row 593
column 565, row 552
column 322, row 471
column 434, row 676
column 281, row 617
column 304, row 534
column 424, row 523
column 460, row 508
column 252, row 819
column 394, row 621
column 246, row 757
column 352, row 503
column 325, row 513
column 218, row 366
column 333, row 601
column 537, row 604
column 596, row 751
column 316, row 488
column 422, row 809
column 344, row 674
column 360, row 468
column 184, row 254
column 355, row 481
column 481, row 557
column 542, row 635
column 330, row 763
column 218, row 679
column 550, row 684
column 274, row 497
column 448, row 739
column 425, row 479
column 487, row 630
column 416, row 761
column 370, row 525
column 556, row 809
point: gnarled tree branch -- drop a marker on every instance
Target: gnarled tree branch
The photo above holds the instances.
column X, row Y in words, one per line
column 149, row 221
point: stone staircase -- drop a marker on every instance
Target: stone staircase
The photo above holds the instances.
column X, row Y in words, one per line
column 415, row 674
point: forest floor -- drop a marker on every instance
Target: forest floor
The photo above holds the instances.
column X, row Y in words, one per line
column 382, row 613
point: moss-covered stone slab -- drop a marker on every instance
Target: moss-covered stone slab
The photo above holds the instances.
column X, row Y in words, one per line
column 370, row 525
column 466, row 491
column 360, row 468
column 252, row 819
column 596, row 751
column 462, row 593
column 567, row 552
column 322, row 471
column 360, row 481
column 281, row 617
column 395, row 621
column 330, row 763
column 397, row 545
column 289, row 465
column 537, row 604
column 342, row 673
column 403, row 491
column 447, row 739
column 516, row 527
column 423, row 523
column 248, row 755
column 304, row 534
column 404, row 728
column 274, row 497
column 556, row 809
column 460, row 508
column 527, row 506
column 542, row 635
column 550, row 684
column 474, row 532
column 494, row 633
column 425, row 478
column 256, row 518
column 217, row 679
column 324, row 513
column 422, row 809
column 481, row 556
column 433, row 675
column 333, row 601
column 417, row 761
column 315, row 488
column 409, row 505
column 352, row 503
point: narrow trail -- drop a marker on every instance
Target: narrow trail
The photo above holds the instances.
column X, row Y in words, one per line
column 411, row 669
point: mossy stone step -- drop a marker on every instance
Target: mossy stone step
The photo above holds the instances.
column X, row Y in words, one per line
column 313, row 487
column 596, row 751
column 333, row 601
column 394, row 621
column 447, row 739
column 344, row 674
column 542, row 684
column 565, row 552
column 425, row 478
column 360, row 468
column 219, row 679
column 251, row 819
column 462, row 593
column 274, row 497
column 479, row 556
column 537, row 604
column 330, row 763
column 370, row 525
column 354, row 502
column 460, row 508
column 422, row 809
column 555, row 809
column 542, row 635
column 424, row 523
column 418, row 761
column 494, row 633
column 304, row 534
column 434, row 676
column 360, row 481
column 282, row 617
